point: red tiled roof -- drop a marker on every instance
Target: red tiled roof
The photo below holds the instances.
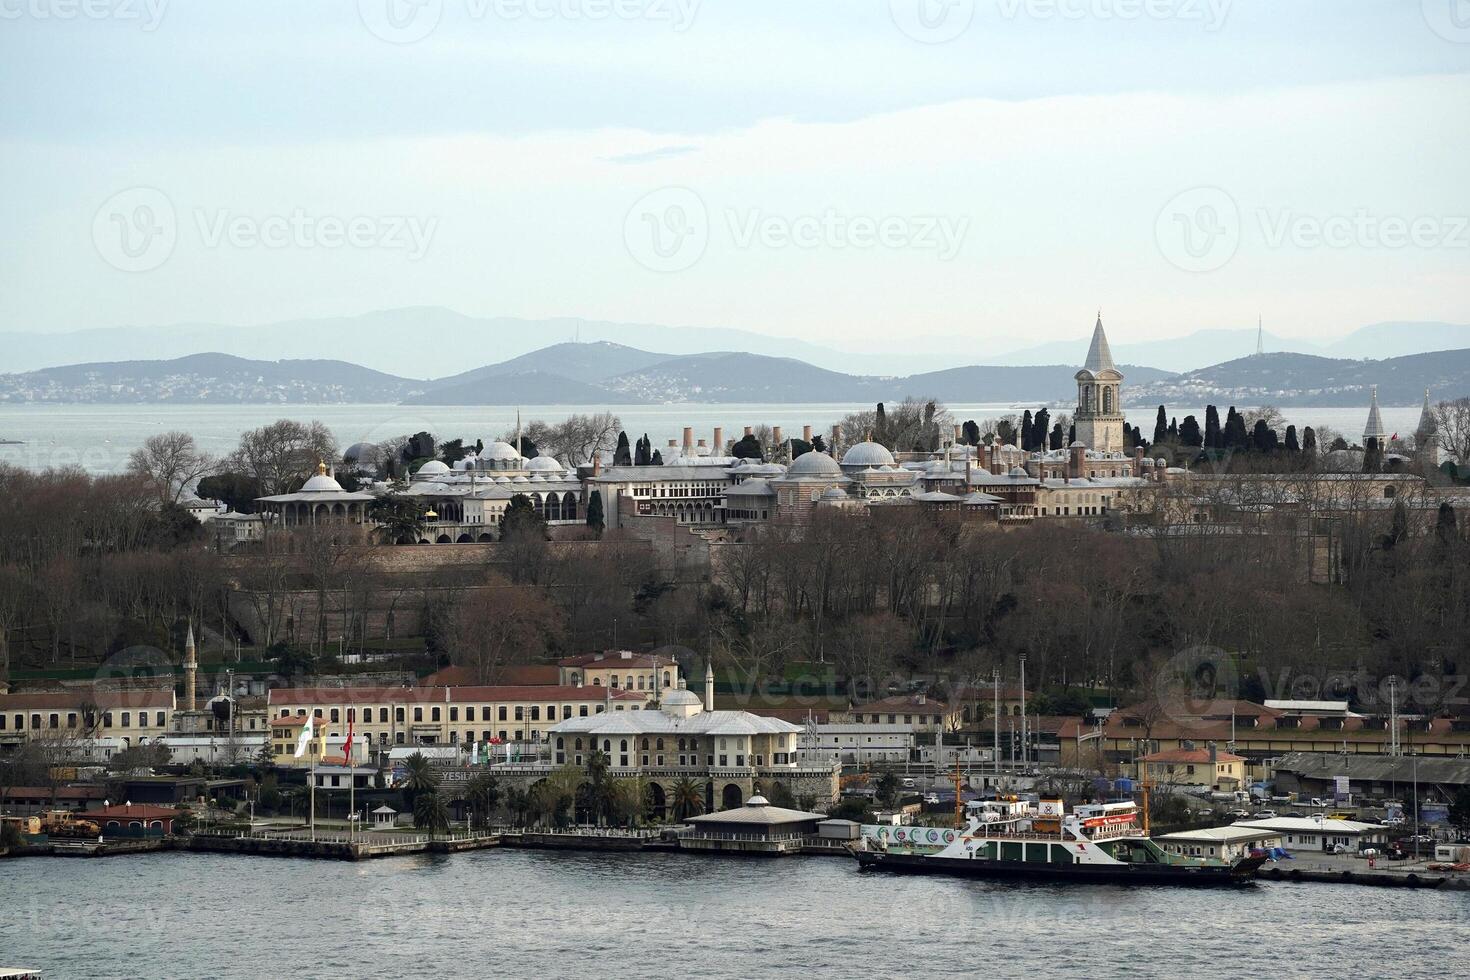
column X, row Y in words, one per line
column 62, row 793
column 615, row 658
column 141, row 811
column 320, row 696
column 71, row 698
column 449, row 677
column 539, row 692
column 1191, row 755
column 531, row 675
column 906, row 703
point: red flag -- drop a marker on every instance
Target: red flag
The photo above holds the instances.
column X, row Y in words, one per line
column 347, row 748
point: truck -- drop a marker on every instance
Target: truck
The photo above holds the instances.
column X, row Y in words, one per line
column 64, row 823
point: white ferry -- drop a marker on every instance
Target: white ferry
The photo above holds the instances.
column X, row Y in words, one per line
column 1010, row 838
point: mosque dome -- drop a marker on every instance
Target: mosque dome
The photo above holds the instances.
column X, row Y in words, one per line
column 867, row 454
column 834, row 493
column 814, row 464
column 679, row 696
column 544, row 464
column 433, row 467
column 321, row 483
column 361, row 452
column 499, row 451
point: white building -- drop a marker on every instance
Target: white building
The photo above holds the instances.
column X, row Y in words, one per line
column 855, row 744
column 1227, row 843
column 1321, row 834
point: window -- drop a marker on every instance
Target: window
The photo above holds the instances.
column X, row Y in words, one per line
column 55, row 720
column 435, row 712
column 127, row 719
column 162, row 723
column 501, row 714
column 418, row 714
column 535, row 712
column 582, row 710
column 382, row 715
column 335, row 717
column 398, row 713
column 520, row 713
column 469, row 713
column 454, row 714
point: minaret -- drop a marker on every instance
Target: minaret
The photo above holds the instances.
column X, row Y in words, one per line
column 191, row 668
column 1374, row 429
column 1426, row 435
column 709, row 685
column 1260, row 337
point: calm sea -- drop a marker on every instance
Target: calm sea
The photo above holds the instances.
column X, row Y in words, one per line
column 610, row 916
column 100, row 437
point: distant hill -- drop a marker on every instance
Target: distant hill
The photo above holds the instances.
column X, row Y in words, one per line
column 524, row 388
column 207, row 378
column 1306, row 379
column 589, row 363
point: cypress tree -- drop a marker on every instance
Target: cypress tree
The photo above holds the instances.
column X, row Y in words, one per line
column 1057, row 435
column 621, row 455
column 1291, row 443
column 1161, row 426
column 1260, row 441
column 1040, row 425
column 1309, row 441
column 1212, row 427
column 1071, row 434
column 1173, row 431
column 1189, row 434
column 595, row 519
column 658, row 459
column 970, row 433
column 1026, row 430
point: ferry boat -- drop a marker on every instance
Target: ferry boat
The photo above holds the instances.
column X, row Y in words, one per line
column 1010, row 838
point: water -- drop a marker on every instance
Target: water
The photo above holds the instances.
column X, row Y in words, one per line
column 99, row 437
column 610, row 916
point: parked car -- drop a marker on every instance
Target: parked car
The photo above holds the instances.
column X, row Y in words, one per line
column 1295, row 813
column 1393, row 821
column 1265, row 814
column 1239, row 813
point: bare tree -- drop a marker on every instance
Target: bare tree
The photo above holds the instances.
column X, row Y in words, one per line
column 1452, row 419
column 281, row 453
column 172, row 462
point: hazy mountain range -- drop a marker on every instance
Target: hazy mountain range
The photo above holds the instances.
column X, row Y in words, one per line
column 399, row 342
column 603, row 373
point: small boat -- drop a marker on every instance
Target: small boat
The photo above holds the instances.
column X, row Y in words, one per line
column 1011, row 838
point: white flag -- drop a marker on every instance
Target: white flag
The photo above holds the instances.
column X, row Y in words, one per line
column 305, row 738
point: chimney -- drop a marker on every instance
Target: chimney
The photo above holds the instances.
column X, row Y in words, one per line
column 701, row 445
column 749, row 430
column 959, row 433
column 596, row 464
column 806, row 433
column 673, row 444
column 576, row 680
column 1076, row 457
column 1138, row 461
column 776, row 435
column 719, row 449
column 626, row 654
column 688, row 440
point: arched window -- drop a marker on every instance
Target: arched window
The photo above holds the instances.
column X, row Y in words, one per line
column 1388, row 491
column 577, row 745
column 645, row 744
column 623, row 745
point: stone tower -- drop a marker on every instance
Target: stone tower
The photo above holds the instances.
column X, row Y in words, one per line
column 1374, row 429
column 1099, row 415
column 191, row 670
column 709, row 686
column 1426, row 436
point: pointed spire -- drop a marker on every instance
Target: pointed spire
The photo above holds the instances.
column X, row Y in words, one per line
column 1374, row 429
column 1427, row 425
column 1260, row 336
column 1099, row 357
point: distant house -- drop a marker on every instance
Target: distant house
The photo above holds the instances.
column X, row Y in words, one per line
column 1210, row 768
column 134, row 819
column 919, row 710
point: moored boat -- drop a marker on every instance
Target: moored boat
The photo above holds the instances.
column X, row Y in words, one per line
column 1012, row 838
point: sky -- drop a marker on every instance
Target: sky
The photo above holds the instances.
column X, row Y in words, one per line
column 867, row 173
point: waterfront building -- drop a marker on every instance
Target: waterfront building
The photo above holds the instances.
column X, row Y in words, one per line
column 133, row 819
column 725, row 752
column 754, row 828
column 405, row 716
column 1208, row 768
column 1316, row 774
column 855, row 744
column 1320, row 833
column 1227, row 843
column 78, row 715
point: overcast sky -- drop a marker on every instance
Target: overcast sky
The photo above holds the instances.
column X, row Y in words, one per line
column 874, row 171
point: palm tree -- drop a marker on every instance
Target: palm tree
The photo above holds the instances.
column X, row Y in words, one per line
column 518, row 801
column 599, row 788
column 419, row 778
column 687, row 798
column 431, row 813
column 483, row 795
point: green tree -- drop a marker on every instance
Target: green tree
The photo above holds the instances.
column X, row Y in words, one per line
column 419, row 778
column 140, row 757
column 431, row 813
column 483, row 796
column 780, row 795
column 887, row 787
column 400, row 518
column 518, row 801
column 1161, row 426
column 290, row 661
column 686, row 798
column 521, row 522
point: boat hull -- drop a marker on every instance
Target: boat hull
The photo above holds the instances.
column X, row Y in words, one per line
column 1132, row 874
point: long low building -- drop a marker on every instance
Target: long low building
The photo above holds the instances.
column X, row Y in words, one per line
column 1375, row 776
column 1321, row 833
column 1227, row 843
column 132, row 716
column 448, row 715
column 852, row 743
